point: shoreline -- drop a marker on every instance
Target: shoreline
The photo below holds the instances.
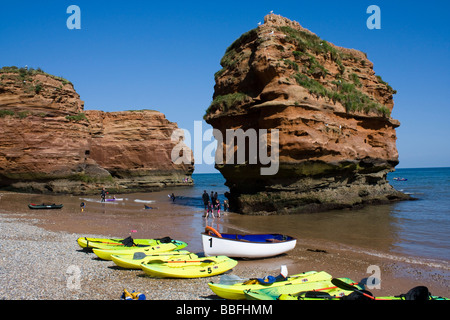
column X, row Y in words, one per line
column 39, row 257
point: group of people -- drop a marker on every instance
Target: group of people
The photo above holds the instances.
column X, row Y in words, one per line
column 212, row 204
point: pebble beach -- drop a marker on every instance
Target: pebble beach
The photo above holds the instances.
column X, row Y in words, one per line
column 41, row 259
column 38, row 264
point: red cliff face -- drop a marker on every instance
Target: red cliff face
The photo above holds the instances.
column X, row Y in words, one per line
column 135, row 147
column 337, row 141
column 48, row 143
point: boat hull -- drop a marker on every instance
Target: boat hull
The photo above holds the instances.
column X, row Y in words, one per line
column 45, row 206
column 194, row 268
column 237, row 291
column 105, row 243
column 241, row 248
column 131, row 262
column 105, row 254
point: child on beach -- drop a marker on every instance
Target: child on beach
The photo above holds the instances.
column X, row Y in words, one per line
column 217, row 207
column 226, row 206
column 209, row 209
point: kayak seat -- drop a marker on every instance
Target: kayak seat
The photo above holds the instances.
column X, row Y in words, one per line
column 165, row 240
column 128, row 242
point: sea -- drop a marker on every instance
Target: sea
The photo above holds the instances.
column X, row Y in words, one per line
column 418, row 228
column 411, row 231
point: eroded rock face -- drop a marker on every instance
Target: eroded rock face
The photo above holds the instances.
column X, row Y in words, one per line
column 48, row 143
column 135, row 147
column 337, row 141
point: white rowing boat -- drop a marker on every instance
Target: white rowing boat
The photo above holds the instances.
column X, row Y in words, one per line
column 245, row 245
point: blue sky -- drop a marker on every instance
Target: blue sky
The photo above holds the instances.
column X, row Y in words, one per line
column 163, row 55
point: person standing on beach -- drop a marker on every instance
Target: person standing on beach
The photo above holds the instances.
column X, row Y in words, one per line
column 103, row 195
column 172, row 197
column 205, row 198
column 212, row 197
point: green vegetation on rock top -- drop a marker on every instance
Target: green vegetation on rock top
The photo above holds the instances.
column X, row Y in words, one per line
column 27, row 72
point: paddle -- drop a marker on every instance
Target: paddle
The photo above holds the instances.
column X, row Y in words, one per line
column 345, row 286
column 229, row 279
column 181, row 261
column 319, row 289
column 142, row 255
column 118, row 242
column 139, row 255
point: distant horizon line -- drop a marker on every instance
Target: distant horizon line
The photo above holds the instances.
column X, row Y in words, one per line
column 440, row 167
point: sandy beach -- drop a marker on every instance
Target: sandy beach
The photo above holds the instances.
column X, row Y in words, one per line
column 41, row 259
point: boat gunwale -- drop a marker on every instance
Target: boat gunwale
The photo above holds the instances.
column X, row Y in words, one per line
column 252, row 242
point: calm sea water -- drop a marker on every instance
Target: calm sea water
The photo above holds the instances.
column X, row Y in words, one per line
column 423, row 226
column 403, row 231
column 419, row 228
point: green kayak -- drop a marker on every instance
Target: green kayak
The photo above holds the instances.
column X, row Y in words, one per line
column 296, row 289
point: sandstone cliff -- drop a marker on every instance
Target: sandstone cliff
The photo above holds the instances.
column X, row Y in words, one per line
column 337, row 141
column 48, row 143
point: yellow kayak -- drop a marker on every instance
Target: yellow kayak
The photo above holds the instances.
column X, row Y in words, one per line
column 237, row 291
column 106, row 243
column 105, row 254
column 133, row 261
column 193, row 268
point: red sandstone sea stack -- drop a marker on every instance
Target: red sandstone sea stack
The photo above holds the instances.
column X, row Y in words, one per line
column 48, row 143
column 337, row 140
